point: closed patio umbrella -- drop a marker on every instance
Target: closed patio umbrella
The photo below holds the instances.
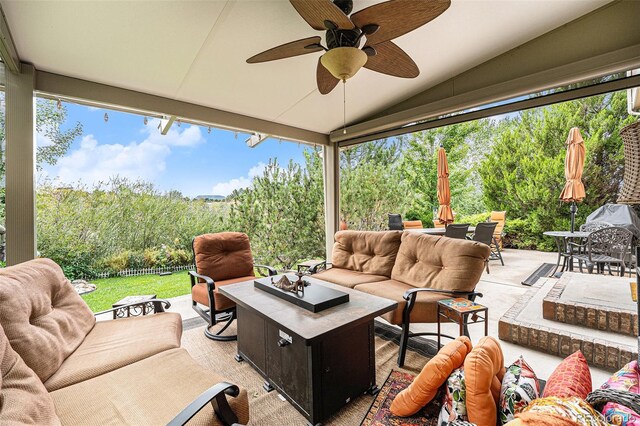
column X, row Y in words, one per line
column 445, row 215
column 573, row 165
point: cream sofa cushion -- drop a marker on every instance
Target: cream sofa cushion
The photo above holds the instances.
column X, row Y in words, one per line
column 42, row 315
column 348, row 278
column 439, row 262
column 149, row 392
column 424, row 310
column 115, row 343
column 366, row 251
column 23, row 398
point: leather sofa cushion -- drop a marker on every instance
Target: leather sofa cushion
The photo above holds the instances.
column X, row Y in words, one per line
column 148, row 392
column 113, row 344
column 23, row 398
column 347, row 277
column 439, row 262
column 223, row 255
column 42, row 315
column 424, row 309
column 199, row 293
column 366, row 251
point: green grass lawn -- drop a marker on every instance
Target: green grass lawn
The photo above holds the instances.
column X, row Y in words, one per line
column 110, row 290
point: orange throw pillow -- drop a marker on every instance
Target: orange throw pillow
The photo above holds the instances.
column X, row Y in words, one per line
column 426, row 384
column 482, row 367
column 571, row 378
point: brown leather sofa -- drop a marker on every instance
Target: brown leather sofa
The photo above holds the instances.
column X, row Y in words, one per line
column 59, row 366
column 416, row 270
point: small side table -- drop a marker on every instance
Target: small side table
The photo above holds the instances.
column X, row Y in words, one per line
column 135, row 311
column 455, row 310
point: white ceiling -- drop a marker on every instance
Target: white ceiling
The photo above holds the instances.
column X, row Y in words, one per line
column 196, row 51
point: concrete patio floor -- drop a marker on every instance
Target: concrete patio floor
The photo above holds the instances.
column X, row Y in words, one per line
column 501, row 288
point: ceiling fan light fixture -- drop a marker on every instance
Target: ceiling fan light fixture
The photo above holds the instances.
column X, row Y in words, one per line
column 344, row 62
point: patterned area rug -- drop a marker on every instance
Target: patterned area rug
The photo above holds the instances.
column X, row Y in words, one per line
column 380, row 414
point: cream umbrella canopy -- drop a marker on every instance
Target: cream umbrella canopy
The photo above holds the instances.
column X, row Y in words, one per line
column 573, row 190
column 445, row 215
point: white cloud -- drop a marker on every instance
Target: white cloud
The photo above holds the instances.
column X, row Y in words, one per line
column 93, row 162
column 226, row 188
column 257, row 170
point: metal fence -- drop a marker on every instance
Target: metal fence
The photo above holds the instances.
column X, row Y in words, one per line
column 144, row 271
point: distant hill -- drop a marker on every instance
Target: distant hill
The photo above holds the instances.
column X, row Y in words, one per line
column 211, row 197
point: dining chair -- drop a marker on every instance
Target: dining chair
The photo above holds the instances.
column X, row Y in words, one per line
column 395, row 222
column 605, row 247
column 457, row 230
column 485, row 233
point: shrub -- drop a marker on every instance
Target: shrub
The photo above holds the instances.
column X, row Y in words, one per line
column 473, row 219
column 415, row 213
column 118, row 262
column 110, row 226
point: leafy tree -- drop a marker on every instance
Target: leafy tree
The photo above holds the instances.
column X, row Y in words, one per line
column 282, row 212
column 50, row 122
column 371, row 184
column 524, row 172
column 120, row 224
column 464, row 144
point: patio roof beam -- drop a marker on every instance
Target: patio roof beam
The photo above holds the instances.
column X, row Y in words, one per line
column 88, row 92
column 8, row 51
column 20, row 167
column 331, row 175
column 166, row 123
column 554, row 98
column 603, row 42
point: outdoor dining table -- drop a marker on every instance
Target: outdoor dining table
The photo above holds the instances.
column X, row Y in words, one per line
column 565, row 251
column 438, row 231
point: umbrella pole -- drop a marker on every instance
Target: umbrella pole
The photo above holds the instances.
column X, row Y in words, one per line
column 573, row 209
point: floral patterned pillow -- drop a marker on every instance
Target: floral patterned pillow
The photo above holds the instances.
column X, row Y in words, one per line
column 520, row 386
column 625, row 379
column 454, row 402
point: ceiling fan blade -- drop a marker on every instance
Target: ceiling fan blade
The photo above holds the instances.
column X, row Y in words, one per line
column 287, row 50
column 315, row 12
column 326, row 80
column 398, row 17
column 390, row 59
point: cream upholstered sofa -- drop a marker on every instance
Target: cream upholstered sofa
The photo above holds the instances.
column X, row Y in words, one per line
column 414, row 269
column 59, row 366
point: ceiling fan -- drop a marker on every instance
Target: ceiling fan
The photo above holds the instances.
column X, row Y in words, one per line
column 377, row 24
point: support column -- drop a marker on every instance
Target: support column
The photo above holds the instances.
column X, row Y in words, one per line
column 331, row 174
column 20, row 166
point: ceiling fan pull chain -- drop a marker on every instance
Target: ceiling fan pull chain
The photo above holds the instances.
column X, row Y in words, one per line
column 344, row 107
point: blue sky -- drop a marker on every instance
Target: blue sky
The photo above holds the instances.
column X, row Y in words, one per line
column 188, row 159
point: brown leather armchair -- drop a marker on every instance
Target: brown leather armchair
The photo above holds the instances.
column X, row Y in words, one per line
column 221, row 259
